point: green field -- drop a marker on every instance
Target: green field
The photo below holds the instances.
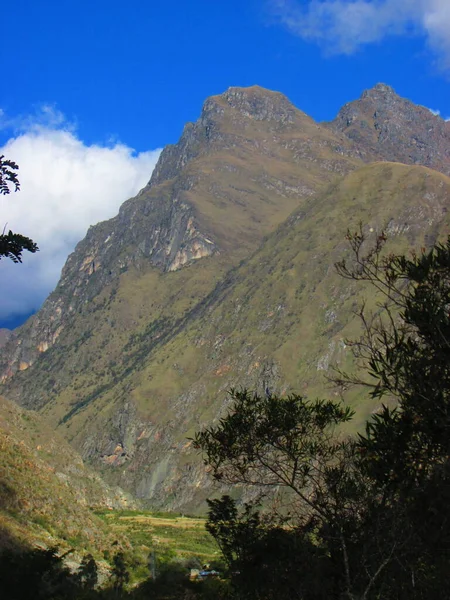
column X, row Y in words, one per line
column 169, row 536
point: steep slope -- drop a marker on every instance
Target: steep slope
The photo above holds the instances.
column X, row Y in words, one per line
column 279, row 320
column 138, row 344
column 235, row 174
column 382, row 123
column 46, row 492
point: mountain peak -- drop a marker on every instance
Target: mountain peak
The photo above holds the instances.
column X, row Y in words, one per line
column 255, row 102
column 225, row 116
column 380, row 89
column 394, row 128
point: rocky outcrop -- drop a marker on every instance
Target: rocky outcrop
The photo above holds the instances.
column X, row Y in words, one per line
column 5, row 334
column 198, row 138
column 395, row 129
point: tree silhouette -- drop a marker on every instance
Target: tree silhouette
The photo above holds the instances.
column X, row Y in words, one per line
column 119, row 574
column 12, row 244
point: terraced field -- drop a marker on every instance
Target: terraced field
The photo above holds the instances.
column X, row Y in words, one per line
column 169, row 536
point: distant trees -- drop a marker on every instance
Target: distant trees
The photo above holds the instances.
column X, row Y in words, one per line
column 120, row 575
column 87, row 573
column 361, row 518
column 12, row 244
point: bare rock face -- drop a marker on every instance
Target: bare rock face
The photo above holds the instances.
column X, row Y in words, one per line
column 237, row 106
column 157, row 228
column 5, row 334
column 395, row 129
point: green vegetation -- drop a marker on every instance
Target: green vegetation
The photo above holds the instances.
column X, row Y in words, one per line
column 130, row 357
column 170, row 536
column 46, row 491
column 332, row 516
column 138, row 573
column 281, row 318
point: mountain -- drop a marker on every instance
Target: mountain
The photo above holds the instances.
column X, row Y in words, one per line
column 46, row 492
column 235, row 174
column 394, row 129
column 219, row 273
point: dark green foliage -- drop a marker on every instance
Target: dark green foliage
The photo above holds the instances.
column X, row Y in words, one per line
column 87, row 572
column 231, row 530
column 38, row 574
column 120, row 575
column 268, row 440
column 12, row 244
column 409, row 360
column 265, row 559
column 8, row 175
column 288, row 449
column 405, row 450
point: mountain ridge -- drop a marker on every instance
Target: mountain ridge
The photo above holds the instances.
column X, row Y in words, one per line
column 395, row 128
column 188, row 215
column 146, row 357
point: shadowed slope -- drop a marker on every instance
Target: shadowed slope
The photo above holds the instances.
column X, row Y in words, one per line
column 46, row 492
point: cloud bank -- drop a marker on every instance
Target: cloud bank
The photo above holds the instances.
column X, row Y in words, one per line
column 66, row 186
column 343, row 26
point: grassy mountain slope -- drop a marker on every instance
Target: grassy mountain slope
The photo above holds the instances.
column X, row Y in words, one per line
column 46, row 492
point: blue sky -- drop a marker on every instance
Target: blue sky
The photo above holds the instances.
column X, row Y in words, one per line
column 93, row 88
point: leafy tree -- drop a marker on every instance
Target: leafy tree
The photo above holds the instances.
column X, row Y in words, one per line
column 288, row 449
column 265, row 558
column 406, row 345
column 405, row 450
column 12, row 244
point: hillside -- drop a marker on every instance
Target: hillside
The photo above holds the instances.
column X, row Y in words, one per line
column 219, row 274
column 46, row 492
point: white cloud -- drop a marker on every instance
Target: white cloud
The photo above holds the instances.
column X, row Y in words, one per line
column 437, row 113
column 65, row 187
column 343, row 26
